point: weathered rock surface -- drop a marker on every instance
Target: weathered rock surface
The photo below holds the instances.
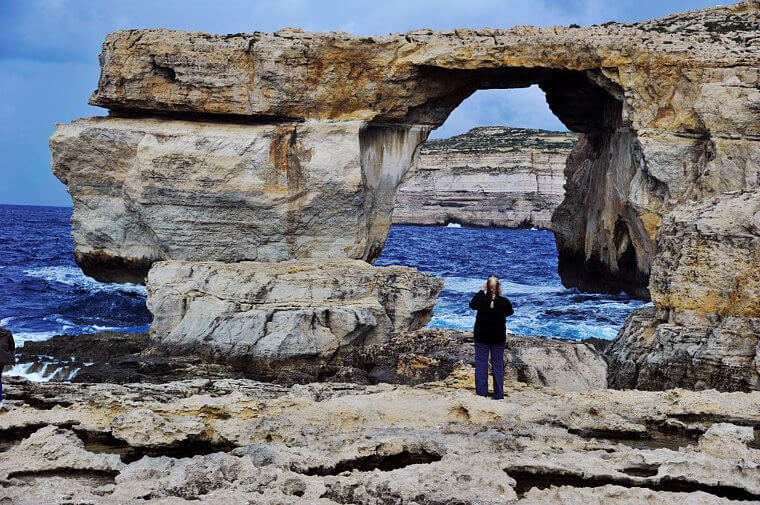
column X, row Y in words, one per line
column 238, row 441
column 432, row 354
column 705, row 329
column 425, row 355
column 489, row 176
column 52, row 450
column 260, row 314
column 146, row 190
column 667, row 110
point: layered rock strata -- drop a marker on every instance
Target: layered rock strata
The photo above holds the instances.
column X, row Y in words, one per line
column 666, row 109
column 705, row 329
column 489, row 176
column 239, row 441
column 265, row 313
column 146, row 190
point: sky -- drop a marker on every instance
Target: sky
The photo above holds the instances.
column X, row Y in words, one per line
column 49, row 58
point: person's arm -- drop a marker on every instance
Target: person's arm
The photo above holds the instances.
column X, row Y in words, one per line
column 507, row 307
column 478, row 301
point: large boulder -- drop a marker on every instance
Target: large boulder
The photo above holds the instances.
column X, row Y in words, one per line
column 262, row 314
column 704, row 330
column 146, row 190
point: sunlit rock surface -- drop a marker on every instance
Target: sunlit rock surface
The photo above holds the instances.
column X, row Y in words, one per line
column 705, row 331
column 240, row 441
column 146, row 190
column 489, row 176
column 264, row 313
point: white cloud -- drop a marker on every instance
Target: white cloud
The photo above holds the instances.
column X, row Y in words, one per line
column 522, row 107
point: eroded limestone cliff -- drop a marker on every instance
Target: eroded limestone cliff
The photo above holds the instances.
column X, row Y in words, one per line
column 667, row 110
column 292, row 145
column 704, row 331
column 489, row 176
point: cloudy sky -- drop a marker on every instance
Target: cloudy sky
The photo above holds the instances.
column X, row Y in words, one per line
column 49, row 57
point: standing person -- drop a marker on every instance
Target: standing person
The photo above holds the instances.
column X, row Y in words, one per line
column 490, row 336
column 7, row 354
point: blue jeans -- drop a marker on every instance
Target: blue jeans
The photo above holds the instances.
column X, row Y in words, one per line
column 497, row 369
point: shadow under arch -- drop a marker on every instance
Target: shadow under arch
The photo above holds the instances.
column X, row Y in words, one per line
column 601, row 170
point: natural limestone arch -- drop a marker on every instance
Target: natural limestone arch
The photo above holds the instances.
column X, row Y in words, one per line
column 608, row 159
column 291, row 145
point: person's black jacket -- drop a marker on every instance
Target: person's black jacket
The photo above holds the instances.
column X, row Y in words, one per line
column 490, row 325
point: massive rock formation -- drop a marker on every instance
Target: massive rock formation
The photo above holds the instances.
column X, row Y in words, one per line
column 240, row 441
column 705, row 329
column 489, row 176
column 327, row 126
column 262, row 313
column 667, row 109
column 146, row 190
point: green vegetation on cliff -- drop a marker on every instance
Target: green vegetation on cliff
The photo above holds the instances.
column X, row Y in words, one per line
column 488, row 139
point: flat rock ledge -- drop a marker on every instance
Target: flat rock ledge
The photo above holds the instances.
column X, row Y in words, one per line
column 409, row 358
column 241, row 441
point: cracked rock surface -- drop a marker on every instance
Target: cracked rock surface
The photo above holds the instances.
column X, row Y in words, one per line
column 260, row 314
column 241, row 441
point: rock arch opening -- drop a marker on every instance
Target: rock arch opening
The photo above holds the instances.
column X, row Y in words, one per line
column 600, row 169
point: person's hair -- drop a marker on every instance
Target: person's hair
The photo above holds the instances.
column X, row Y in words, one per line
column 493, row 287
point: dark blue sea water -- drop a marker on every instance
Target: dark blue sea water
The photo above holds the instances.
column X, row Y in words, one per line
column 43, row 292
column 526, row 263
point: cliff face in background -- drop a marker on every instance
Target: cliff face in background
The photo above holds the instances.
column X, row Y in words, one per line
column 489, row 176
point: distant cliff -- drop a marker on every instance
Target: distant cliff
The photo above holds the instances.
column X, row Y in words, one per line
column 489, row 176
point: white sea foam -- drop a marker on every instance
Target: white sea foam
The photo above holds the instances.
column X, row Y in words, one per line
column 23, row 370
column 45, row 373
column 73, row 276
column 28, row 336
column 471, row 285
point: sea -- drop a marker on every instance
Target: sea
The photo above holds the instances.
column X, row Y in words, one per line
column 43, row 292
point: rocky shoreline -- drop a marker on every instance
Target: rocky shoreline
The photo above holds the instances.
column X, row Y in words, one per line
column 242, row 441
column 411, row 358
column 396, row 422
